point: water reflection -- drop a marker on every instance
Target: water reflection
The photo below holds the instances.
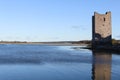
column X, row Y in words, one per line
column 101, row 68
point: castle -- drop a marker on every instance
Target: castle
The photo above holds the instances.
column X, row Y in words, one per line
column 101, row 29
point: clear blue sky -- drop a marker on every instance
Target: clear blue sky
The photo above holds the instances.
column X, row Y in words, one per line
column 53, row 20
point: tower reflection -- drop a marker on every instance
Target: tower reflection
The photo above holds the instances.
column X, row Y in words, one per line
column 101, row 68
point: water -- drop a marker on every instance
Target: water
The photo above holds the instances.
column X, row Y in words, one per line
column 39, row 62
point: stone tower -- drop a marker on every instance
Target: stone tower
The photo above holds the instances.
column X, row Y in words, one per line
column 101, row 29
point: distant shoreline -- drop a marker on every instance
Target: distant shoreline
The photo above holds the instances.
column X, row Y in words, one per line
column 59, row 43
column 47, row 43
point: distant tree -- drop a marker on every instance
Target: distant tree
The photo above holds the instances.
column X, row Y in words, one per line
column 114, row 41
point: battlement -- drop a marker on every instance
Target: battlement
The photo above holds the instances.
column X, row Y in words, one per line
column 107, row 13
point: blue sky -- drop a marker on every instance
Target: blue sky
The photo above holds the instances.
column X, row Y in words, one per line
column 53, row 20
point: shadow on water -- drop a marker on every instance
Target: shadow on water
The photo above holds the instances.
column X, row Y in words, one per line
column 101, row 67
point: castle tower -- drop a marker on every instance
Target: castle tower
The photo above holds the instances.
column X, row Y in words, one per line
column 101, row 29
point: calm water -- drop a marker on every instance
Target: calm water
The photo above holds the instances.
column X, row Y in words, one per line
column 39, row 62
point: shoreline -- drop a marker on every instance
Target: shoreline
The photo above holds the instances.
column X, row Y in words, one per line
column 45, row 43
column 83, row 46
column 112, row 48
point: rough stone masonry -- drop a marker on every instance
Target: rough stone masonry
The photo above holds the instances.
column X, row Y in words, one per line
column 101, row 29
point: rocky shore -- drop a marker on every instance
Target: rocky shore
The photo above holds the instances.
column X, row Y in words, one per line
column 113, row 48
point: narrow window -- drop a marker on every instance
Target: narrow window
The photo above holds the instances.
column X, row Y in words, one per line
column 104, row 19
